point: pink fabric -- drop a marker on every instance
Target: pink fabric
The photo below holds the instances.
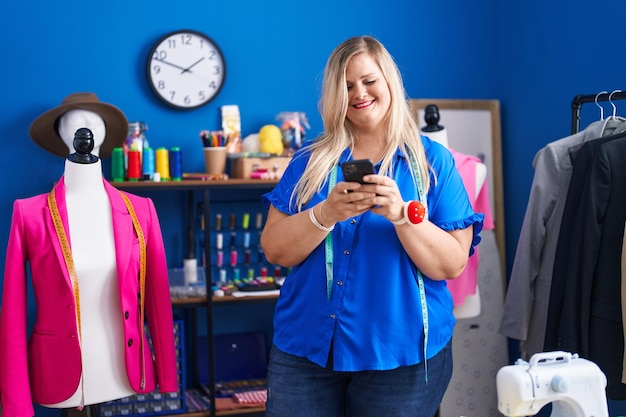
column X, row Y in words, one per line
column 251, row 397
column 465, row 285
column 47, row 369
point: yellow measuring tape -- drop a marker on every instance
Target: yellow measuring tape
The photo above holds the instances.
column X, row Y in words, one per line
column 69, row 262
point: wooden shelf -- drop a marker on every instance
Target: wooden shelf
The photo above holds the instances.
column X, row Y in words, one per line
column 195, row 184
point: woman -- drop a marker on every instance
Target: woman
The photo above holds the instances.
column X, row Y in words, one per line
column 364, row 321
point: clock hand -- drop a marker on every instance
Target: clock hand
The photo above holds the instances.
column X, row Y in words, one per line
column 192, row 65
column 170, row 64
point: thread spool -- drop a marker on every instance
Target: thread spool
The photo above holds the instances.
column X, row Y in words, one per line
column 117, row 165
column 176, row 164
column 148, row 164
column 162, row 163
column 134, row 165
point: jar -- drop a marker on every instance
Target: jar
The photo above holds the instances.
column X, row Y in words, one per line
column 136, row 140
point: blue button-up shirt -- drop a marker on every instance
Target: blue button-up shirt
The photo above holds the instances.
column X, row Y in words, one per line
column 374, row 317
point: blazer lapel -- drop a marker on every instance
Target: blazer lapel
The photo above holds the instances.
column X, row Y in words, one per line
column 59, row 194
column 122, row 224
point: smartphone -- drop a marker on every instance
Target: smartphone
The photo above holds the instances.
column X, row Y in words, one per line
column 355, row 170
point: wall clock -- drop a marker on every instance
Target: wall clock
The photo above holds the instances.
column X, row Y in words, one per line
column 186, row 69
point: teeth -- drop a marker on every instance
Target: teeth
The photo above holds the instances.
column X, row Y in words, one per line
column 361, row 105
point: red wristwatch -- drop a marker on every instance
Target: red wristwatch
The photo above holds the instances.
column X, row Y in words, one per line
column 414, row 212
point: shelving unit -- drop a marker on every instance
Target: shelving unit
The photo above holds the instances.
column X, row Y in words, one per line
column 206, row 186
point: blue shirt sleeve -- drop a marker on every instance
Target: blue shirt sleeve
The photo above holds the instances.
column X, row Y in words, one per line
column 280, row 196
column 449, row 206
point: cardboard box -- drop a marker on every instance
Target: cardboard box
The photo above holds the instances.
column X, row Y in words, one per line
column 245, row 167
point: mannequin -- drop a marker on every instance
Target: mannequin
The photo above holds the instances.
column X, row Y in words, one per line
column 88, row 344
column 93, row 250
column 471, row 305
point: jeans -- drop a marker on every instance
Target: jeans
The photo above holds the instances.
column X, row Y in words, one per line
column 299, row 388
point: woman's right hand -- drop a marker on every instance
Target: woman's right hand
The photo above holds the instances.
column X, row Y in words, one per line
column 344, row 201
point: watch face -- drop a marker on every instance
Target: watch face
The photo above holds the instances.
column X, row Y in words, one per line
column 186, row 69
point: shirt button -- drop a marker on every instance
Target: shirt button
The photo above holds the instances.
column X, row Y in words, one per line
column 339, row 282
column 130, row 342
column 126, row 315
column 353, row 221
column 346, row 252
column 332, row 316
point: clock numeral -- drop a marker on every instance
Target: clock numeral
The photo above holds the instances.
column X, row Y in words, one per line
column 161, row 85
column 185, row 39
column 213, row 85
column 159, row 55
column 187, row 100
column 172, row 94
column 171, row 43
column 201, row 95
column 156, row 69
column 217, row 70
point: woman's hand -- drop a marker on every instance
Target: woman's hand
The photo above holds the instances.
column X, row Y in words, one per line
column 347, row 199
column 386, row 199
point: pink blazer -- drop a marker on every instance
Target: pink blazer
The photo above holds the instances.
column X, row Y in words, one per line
column 47, row 369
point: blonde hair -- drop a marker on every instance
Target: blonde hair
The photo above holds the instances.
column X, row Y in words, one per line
column 339, row 132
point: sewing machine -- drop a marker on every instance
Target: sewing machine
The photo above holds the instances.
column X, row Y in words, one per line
column 576, row 386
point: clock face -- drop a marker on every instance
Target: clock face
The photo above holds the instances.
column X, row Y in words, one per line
column 186, row 69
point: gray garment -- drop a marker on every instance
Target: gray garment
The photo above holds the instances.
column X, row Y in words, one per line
column 528, row 294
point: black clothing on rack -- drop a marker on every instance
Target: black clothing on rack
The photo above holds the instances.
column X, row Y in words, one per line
column 585, row 305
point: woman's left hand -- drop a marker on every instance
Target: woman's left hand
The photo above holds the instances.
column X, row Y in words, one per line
column 388, row 201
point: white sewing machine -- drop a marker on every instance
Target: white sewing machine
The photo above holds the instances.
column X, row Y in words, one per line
column 576, row 386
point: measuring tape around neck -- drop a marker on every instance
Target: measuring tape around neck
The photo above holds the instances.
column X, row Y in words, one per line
column 329, row 255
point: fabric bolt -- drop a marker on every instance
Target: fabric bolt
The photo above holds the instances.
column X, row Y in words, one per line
column 373, row 317
column 251, row 397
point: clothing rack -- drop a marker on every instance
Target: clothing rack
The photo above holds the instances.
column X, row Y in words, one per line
column 580, row 99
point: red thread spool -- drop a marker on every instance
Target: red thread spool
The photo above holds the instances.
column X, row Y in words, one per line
column 134, row 165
